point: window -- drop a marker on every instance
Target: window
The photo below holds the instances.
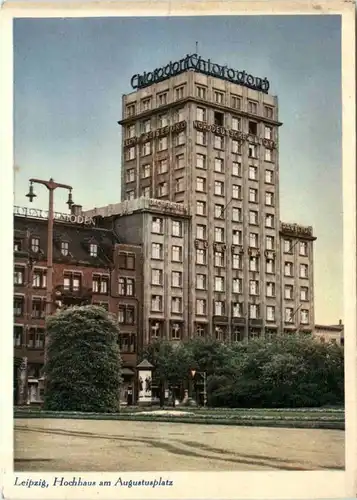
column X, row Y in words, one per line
column 130, row 195
column 270, row 266
column 253, row 173
column 176, row 253
column 270, row 313
column 162, row 166
column 269, row 242
column 236, row 147
column 157, row 225
column 253, row 264
column 39, row 278
column 288, row 246
column 156, row 251
column 35, row 245
column 253, row 217
column 218, row 142
column 130, row 153
column 72, row 281
column 218, row 118
column 236, row 123
column 253, row 128
column 126, row 261
column 156, row 303
column 237, row 309
column 162, row 189
column 100, row 284
column 155, row 329
column 18, row 331
column 146, row 148
column 201, row 161
column 219, row 259
column 200, row 232
column 201, row 114
column 180, row 161
column 237, row 169
column 179, row 92
column 270, row 289
column 288, row 269
column 252, row 151
column 269, row 176
column 177, row 228
column 304, row 316
column 268, row 132
column 176, row 279
column 218, row 97
column 156, row 277
column 252, row 107
column 200, row 330
column 288, row 292
column 179, row 115
column 200, row 307
column 268, row 112
column 126, row 315
column 179, row 184
column 146, row 104
column 19, row 275
column 201, row 256
column 304, row 271
column 236, row 192
column 237, row 285
column 218, row 165
column 162, row 100
column 162, row 144
column 304, row 293
column 200, row 92
column 269, row 198
column 180, row 139
column 176, row 305
column 253, row 195
column 253, row 287
column 38, row 308
column 93, row 250
column 130, row 110
column 130, row 175
column 126, row 287
column 218, row 308
column 237, row 261
column 269, row 220
column 219, row 211
column 36, row 338
column 236, row 102
column 201, row 137
column 237, row 237
column 201, row 281
column 201, row 208
column 218, row 188
column 201, row 184
column 236, row 214
column 17, row 246
column 303, row 248
column 253, row 240
column 219, row 234
column 268, row 155
column 253, row 311
column 146, row 126
column 288, row 315
column 19, row 306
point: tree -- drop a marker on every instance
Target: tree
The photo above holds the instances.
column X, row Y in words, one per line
column 83, row 370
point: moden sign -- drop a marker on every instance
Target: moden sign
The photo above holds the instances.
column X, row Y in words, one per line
column 207, row 67
column 58, row 216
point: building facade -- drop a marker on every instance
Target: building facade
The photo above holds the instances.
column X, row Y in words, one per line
column 87, row 269
column 330, row 333
column 212, row 145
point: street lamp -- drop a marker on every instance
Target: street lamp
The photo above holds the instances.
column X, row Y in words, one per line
column 193, row 373
column 51, row 185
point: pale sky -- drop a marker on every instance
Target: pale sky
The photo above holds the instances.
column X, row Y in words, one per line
column 70, row 75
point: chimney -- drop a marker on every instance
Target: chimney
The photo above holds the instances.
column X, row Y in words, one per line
column 76, row 210
column 340, row 321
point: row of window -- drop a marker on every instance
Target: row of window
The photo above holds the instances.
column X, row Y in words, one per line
column 64, row 247
column 146, row 148
column 219, row 97
column 237, row 194
column 162, row 168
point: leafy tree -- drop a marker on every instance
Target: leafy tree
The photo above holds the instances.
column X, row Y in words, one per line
column 83, row 371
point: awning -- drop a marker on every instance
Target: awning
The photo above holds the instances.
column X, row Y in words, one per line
column 127, row 371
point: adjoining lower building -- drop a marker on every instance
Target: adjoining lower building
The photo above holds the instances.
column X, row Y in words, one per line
column 330, row 333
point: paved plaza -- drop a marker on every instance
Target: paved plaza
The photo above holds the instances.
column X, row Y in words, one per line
column 48, row 445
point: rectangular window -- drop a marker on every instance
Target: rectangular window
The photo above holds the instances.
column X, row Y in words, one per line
column 201, row 281
column 269, row 199
column 157, row 225
column 201, row 184
column 270, row 313
column 200, row 232
column 93, row 250
column 162, row 144
column 253, row 173
column 100, row 284
column 253, row 287
column 130, row 153
column 253, row 240
column 269, row 220
column 218, row 308
column 179, row 115
column 218, row 165
column 39, row 278
column 130, row 110
column 146, row 104
column 219, row 234
column 303, row 248
column 19, row 306
column 253, row 264
column 179, row 185
column 156, row 251
column 219, row 188
column 236, row 147
column 176, row 305
column 130, row 175
column 201, row 161
column 38, row 308
column 219, row 284
column 288, row 292
column 237, row 169
column 304, row 271
column 146, row 126
column 179, row 92
column 18, row 332
column 162, row 166
column 270, row 266
column 177, row 228
column 268, row 155
column 201, row 256
column 130, row 195
column 269, row 243
column 219, row 259
column 201, row 137
column 237, row 261
column 126, row 261
column 201, row 114
column 156, row 303
column 218, row 97
column 19, row 275
column 146, row 170
column 253, row 311
column 236, row 214
column 236, row 123
column 268, row 133
column 270, row 289
column 176, row 253
column 253, row 195
column 163, row 121
column 180, row 139
column 268, row 112
column 162, row 189
column 237, row 192
column 162, row 98
column 237, row 309
column 219, row 211
column 146, row 148
column 252, row 151
column 288, row 269
column 236, row 102
column 180, row 161
column 252, row 128
column 176, row 279
column 201, row 307
column 218, row 142
column 201, row 92
column 200, row 208
column 35, row 245
column 288, row 246
column 253, row 217
column 237, row 286
column 252, row 107
column 269, row 176
column 237, row 237
column 156, row 277
column 304, row 316
column 304, row 293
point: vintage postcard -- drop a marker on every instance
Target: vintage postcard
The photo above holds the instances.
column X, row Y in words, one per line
column 179, row 239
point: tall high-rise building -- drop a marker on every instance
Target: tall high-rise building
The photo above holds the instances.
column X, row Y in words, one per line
column 206, row 136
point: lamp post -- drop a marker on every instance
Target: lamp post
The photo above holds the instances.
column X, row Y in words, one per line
column 193, row 373
column 51, row 185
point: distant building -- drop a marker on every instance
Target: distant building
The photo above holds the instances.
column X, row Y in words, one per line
column 330, row 333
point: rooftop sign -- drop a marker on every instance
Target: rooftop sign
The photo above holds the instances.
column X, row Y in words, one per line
column 296, row 229
column 196, row 63
column 36, row 213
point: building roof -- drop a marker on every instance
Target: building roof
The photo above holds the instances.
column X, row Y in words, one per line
column 79, row 237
